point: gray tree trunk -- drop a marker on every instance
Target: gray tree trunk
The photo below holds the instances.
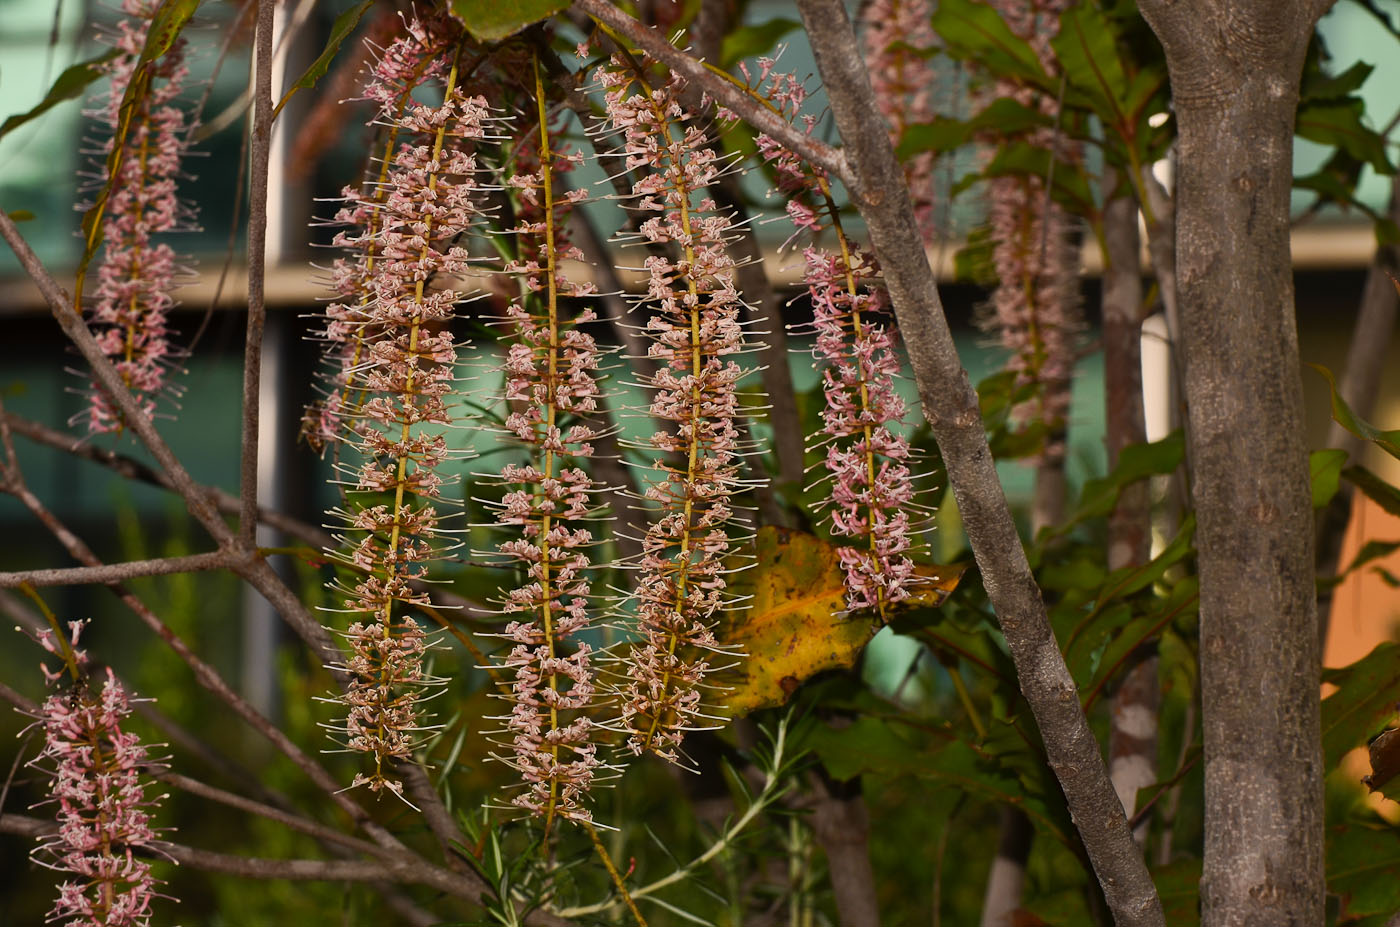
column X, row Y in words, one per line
column 1132, row 736
column 1235, row 69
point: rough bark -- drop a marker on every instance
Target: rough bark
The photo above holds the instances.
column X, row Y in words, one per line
column 950, row 405
column 1235, row 69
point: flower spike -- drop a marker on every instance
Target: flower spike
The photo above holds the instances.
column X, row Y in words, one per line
column 398, row 311
column 137, row 274
column 696, row 332
column 98, row 784
column 550, row 385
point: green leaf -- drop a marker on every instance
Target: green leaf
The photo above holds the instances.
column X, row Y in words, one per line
column 1375, row 488
column 344, row 24
column 70, row 86
column 1340, row 123
column 1364, row 701
column 1363, row 867
column 1117, row 652
column 1325, row 468
column 1320, row 85
column 976, row 32
column 755, row 40
column 493, row 20
column 1004, row 116
column 1388, row 441
column 1135, row 462
column 1179, row 887
column 1071, row 187
column 166, row 26
column 21, row 215
column 1087, row 50
column 872, row 746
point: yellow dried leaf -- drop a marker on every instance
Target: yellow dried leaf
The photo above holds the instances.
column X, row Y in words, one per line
column 793, row 624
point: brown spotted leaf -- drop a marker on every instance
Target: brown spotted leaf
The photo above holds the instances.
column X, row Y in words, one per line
column 1385, row 763
column 793, row 624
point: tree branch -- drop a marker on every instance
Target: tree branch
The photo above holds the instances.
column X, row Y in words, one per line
column 257, row 260
column 729, row 95
column 951, row 407
column 116, row 572
column 398, row 868
column 133, row 469
column 70, row 320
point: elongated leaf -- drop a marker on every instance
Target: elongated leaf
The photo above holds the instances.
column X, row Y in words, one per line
column 1179, row 887
column 1117, row 652
column 1135, row 462
column 341, row 29
column 1087, row 50
column 1325, row 468
column 1367, row 692
column 166, row 26
column 1004, row 116
column 1375, row 488
column 70, row 86
column 1071, row 187
column 755, row 40
column 1323, row 86
column 1339, row 123
column 1388, row 441
column 975, row 31
column 1363, row 868
column 493, row 20
column 872, row 746
column 794, row 624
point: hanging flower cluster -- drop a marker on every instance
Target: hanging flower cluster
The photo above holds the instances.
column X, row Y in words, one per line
column 899, row 40
column 550, row 384
column 402, row 257
column 103, row 808
column 423, row 54
column 695, row 331
column 1036, row 305
column 867, row 462
column 137, row 274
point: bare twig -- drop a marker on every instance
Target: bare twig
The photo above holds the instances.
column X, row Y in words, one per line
column 399, row 868
column 951, row 407
column 730, row 95
column 111, row 381
column 257, row 261
column 294, row 821
column 116, row 572
column 133, row 469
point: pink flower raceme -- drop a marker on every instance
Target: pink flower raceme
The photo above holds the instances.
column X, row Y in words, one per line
column 867, row 462
column 422, row 55
column 401, row 310
column 695, row 330
column 103, row 808
column 1036, row 302
column 898, row 40
column 550, row 371
column 872, row 492
column 137, row 274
